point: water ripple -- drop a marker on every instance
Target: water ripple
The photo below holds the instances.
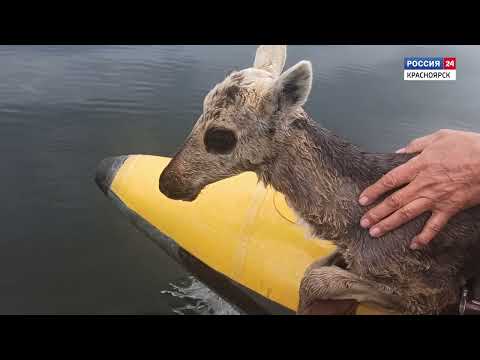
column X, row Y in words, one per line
column 198, row 299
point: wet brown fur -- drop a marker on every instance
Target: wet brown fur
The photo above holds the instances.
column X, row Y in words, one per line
column 322, row 176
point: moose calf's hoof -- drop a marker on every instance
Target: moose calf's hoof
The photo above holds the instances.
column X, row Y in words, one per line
column 330, row 307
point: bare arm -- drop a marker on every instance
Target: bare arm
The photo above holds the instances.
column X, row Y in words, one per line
column 444, row 178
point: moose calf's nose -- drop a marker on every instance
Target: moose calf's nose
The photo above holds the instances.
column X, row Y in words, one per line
column 163, row 184
column 174, row 188
column 168, row 184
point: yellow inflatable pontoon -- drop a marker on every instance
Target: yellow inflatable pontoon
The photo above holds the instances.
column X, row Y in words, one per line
column 238, row 236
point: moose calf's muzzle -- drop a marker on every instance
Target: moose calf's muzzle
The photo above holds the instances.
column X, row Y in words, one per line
column 172, row 187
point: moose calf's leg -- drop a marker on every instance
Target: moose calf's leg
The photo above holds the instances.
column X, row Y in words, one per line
column 335, row 258
column 333, row 283
column 330, row 307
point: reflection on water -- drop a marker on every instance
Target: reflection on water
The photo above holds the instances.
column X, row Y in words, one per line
column 64, row 247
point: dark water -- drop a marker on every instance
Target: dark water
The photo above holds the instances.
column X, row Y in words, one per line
column 64, row 248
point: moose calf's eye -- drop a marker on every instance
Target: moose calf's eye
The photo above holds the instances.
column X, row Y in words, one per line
column 219, row 141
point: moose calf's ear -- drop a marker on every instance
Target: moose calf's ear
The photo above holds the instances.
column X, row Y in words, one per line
column 271, row 58
column 293, row 87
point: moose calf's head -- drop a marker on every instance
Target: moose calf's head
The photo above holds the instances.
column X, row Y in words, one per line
column 243, row 116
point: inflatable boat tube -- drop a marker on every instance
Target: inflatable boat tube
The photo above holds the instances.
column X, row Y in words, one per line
column 238, row 237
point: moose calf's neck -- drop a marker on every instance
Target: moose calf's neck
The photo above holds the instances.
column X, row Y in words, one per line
column 322, row 175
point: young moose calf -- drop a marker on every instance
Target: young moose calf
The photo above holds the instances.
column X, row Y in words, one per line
column 254, row 121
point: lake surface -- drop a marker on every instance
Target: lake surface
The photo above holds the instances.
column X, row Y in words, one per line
column 64, row 248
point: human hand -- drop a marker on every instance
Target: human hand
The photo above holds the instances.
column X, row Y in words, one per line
column 444, row 178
